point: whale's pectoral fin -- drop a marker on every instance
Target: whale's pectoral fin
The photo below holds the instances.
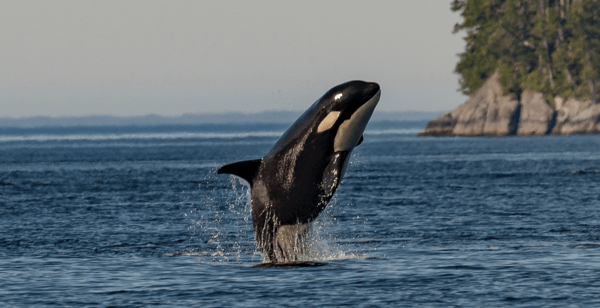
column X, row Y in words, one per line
column 360, row 140
column 245, row 169
column 333, row 173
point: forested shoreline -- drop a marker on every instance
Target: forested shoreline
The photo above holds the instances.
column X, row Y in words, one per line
column 548, row 46
column 531, row 67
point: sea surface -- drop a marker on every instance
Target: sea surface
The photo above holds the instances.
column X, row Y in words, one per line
column 138, row 217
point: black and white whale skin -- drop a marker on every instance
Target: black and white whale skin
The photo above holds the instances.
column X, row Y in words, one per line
column 293, row 183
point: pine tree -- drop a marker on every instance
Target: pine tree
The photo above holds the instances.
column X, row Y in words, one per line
column 550, row 46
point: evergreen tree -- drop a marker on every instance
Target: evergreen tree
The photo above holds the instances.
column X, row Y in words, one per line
column 550, row 46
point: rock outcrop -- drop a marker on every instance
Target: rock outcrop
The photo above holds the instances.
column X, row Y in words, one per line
column 577, row 117
column 537, row 117
column 490, row 113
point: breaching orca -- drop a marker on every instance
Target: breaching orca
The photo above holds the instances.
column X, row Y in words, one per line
column 293, row 183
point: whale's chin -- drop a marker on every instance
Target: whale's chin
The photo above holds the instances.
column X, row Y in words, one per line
column 352, row 129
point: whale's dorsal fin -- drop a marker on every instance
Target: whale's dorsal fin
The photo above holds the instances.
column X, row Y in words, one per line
column 245, row 169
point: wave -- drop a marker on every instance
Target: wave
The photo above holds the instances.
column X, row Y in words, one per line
column 174, row 135
column 407, row 131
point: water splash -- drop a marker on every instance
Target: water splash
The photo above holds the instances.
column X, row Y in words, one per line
column 220, row 223
column 221, row 227
column 324, row 237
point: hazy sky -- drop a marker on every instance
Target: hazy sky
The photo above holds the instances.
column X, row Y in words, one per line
column 70, row 58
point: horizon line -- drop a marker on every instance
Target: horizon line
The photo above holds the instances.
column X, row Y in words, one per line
column 233, row 118
column 289, row 111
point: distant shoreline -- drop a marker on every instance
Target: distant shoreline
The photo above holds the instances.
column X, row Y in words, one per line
column 233, row 118
column 188, row 128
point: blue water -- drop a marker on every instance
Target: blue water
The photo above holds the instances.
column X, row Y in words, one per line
column 130, row 217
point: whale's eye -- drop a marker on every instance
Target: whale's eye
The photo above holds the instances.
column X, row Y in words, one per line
column 329, row 120
column 338, row 96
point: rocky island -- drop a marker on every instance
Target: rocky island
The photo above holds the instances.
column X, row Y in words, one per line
column 531, row 67
column 491, row 113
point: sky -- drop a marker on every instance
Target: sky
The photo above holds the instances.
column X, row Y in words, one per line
column 131, row 58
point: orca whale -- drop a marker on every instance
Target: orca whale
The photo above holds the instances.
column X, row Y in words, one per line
column 293, row 183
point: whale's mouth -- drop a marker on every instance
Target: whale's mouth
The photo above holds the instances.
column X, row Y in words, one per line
column 351, row 130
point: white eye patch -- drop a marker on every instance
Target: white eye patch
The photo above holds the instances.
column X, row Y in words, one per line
column 328, row 122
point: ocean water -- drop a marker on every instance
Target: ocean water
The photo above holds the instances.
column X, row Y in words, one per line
column 138, row 217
